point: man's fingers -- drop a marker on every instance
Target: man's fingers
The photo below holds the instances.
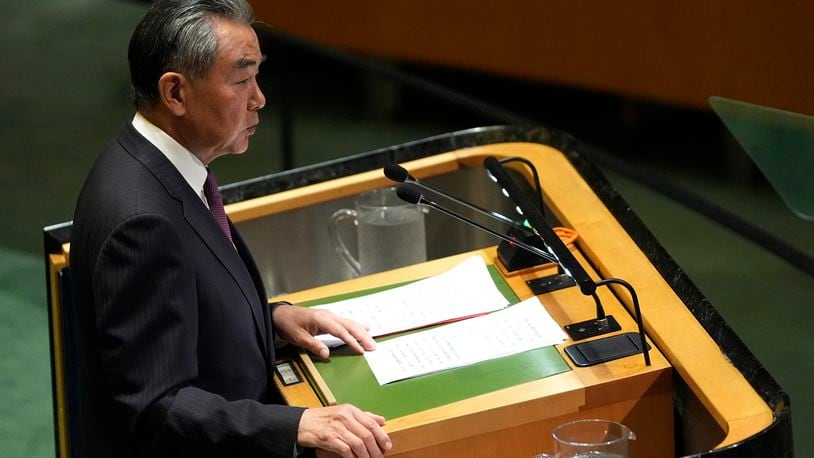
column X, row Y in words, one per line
column 379, row 419
column 305, row 340
column 345, row 430
column 337, row 446
column 361, row 335
column 352, row 341
column 349, row 331
column 373, row 423
column 381, row 438
column 355, row 441
column 368, row 434
column 361, row 441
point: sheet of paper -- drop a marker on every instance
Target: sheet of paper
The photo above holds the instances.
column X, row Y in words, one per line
column 463, row 291
column 521, row 327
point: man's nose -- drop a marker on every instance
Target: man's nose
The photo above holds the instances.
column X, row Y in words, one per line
column 258, row 100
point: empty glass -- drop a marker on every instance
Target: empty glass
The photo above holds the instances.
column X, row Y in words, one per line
column 389, row 232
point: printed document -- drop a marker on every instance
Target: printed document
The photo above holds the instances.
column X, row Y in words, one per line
column 464, row 291
column 521, row 327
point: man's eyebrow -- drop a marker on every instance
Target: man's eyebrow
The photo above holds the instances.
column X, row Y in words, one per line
column 244, row 62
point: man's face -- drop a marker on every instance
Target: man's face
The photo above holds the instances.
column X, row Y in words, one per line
column 221, row 109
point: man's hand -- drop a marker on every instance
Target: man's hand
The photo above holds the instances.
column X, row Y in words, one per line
column 299, row 325
column 344, row 430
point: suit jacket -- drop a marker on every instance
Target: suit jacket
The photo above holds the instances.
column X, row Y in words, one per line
column 176, row 334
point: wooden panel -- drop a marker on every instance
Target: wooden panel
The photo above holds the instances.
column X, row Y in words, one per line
column 535, row 437
column 300, row 394
column 57, row 262
column 672, row 51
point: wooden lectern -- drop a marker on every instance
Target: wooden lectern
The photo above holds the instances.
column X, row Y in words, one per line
column 516, row 420
column 704, row 393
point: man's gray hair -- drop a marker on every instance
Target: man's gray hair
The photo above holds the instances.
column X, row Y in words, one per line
column 177, row 35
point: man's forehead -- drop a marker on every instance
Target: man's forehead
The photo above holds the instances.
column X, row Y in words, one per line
column 245, row 61
column 237, row 44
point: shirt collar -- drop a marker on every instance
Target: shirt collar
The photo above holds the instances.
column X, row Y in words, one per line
column 187, row 164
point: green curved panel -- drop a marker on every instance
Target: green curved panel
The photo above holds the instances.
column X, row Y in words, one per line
column 780, row 143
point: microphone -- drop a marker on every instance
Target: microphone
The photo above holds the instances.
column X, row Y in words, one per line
column 510, row 254
column 606, row 348
column 409, row 192
column 541, row 227
column 399, row 174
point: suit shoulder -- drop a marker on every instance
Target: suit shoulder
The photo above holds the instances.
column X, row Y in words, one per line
column 119, row 186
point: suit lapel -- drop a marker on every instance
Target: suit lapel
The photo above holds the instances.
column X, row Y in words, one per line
column 207, row 228
column 199, row 218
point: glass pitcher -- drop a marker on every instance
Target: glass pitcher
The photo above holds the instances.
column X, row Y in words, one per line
column 591, row 439
column 389, row 232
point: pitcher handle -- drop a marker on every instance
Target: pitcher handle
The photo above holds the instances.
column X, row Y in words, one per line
column 339, row 245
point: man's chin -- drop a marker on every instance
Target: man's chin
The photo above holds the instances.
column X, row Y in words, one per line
column 239, row 147
column 232, row 150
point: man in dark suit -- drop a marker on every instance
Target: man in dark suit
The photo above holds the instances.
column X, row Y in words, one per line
column 177, row 331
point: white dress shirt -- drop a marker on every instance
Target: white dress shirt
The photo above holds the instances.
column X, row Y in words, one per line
column 187, row 164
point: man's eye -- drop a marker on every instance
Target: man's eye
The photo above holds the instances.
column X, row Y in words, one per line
column 246, row 81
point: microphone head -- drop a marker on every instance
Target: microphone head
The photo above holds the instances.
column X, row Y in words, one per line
column 408, row 193
column 397, row 173
column 491, row 164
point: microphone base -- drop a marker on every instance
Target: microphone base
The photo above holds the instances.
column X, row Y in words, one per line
column 515, row 258
column 605, row 349
column 592, row 328
column 550, row 283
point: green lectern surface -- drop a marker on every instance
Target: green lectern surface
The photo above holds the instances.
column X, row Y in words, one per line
column 781, row 144
column 351, row 381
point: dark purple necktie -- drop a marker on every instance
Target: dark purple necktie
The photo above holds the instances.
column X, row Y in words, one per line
column 216, row 202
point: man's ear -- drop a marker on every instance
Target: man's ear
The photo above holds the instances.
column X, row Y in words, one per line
column 172, row 89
